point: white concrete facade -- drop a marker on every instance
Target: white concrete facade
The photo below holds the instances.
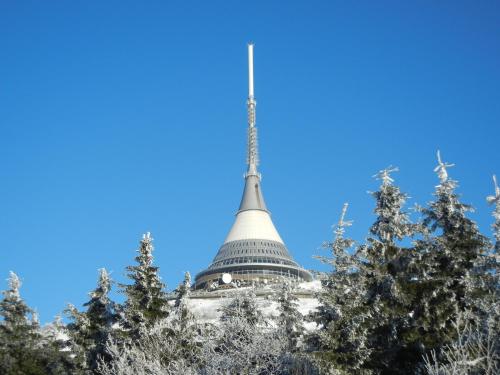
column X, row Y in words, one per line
column 253, row 224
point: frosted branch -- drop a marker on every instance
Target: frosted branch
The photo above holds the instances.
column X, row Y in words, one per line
column 385, row 175
column 441, row 169
column 340, row 227
column 494, row 200
column 14, row 284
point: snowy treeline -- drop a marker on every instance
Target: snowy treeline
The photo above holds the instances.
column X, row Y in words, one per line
column 416, row 297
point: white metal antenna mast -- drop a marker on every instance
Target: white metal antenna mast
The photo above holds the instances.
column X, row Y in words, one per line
column 253, row 153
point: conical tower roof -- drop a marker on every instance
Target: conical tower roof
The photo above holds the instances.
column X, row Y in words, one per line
column 253, row 249
column 252, row 198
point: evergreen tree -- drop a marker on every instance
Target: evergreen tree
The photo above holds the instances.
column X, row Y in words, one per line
column 289, row 320
column 146, row 301
column 159, row 349
column 494, row 255
column 243, row 306
column 366, row 317
column 388, row 274
column 183, row 291
column 454, row 255
column 23, row 347
column 186, row 331
column 458, row 246
column 55, row 348
column 244, row 343
column 491, row 302
column 182, row 313
column 18, row 333
column 495, row 201
column 89, row 330
column 15, row 312
column 172, row 345
column 392, row 223
column 340, row 343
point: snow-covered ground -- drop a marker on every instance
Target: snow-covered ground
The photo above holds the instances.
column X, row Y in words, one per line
column 206, row 306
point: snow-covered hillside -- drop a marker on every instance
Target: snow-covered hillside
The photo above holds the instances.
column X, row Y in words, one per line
column 206, row 306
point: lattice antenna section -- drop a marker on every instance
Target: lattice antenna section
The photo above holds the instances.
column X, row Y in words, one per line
column 253, row 146
column 253, row 142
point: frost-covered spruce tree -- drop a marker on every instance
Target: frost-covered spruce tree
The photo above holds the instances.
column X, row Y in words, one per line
column 456, row 254
column 488, row 266
column 494, row 255
column 456, row 269
column 367, row 301
column 183, row 290
column 186, row 329
column 90, row 330
column 243, row 306
column 244, row 343
column 290, row 327
column 146, row 298
column 392, row 223
column 340, row 279
column 172, row 345
column 388, row 272
column 18, row 333
column 24, row 346
column 494, row 200
column 159, row 349
column 55, row 350
column 182, row 314
column 340, row 343
column 15, row 312
column 491, row 302
column 289, row 320
column 240, row 319
column 458, row 245
column 476, row 349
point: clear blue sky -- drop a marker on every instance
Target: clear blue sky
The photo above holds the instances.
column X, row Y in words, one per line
column 120, row 117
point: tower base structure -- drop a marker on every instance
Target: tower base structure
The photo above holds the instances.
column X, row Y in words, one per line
column 252, row 260
column 253, row 250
